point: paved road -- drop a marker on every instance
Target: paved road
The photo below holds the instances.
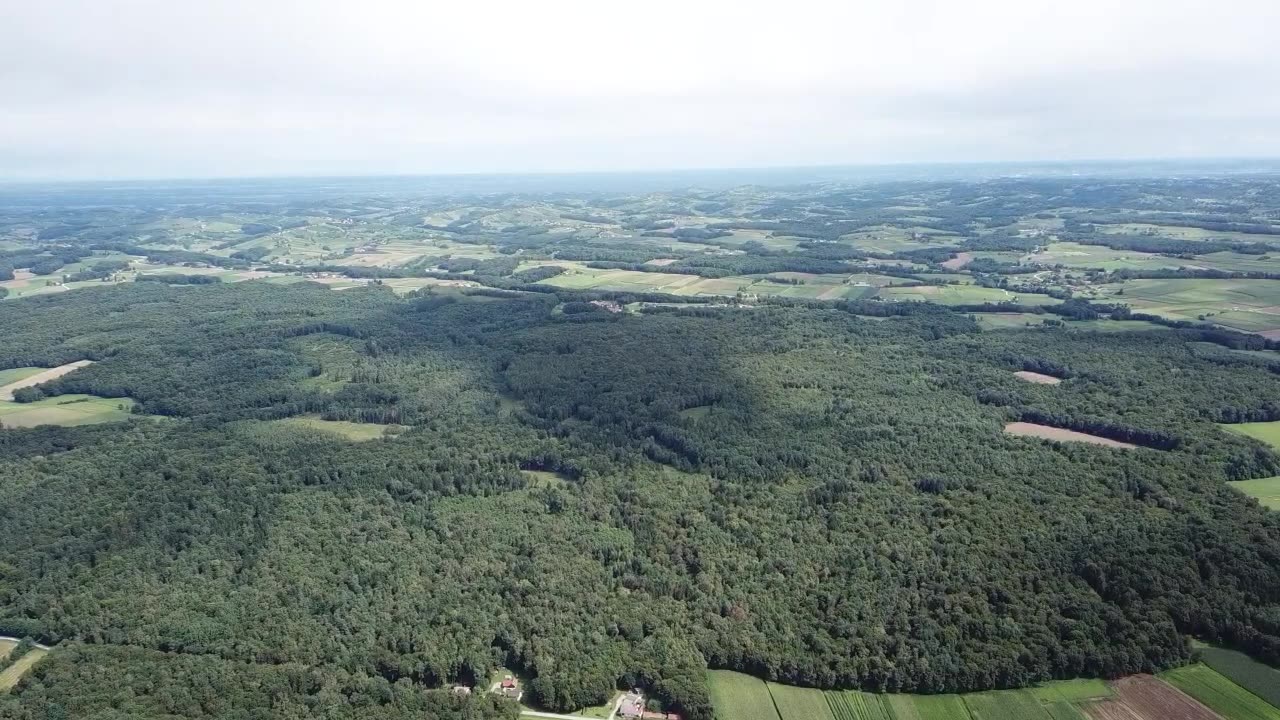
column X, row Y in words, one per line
column 37, row 645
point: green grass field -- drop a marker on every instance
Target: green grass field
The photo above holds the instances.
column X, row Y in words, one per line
column 14, row 672
column 1062, row 699
column 357, row 432
column 599, row 711
column 542, row 478
column 1207, row 349
column 65, row 410
column 1109, row 325
column 1005, row 705
column 1246, row 320
column 1267, row 432
column 1021, row 321
column 1075, row 255
column 740, row 697
column 782, row 284
column 15, row 374
column 1266, row 490
column 1100, row 257
column 963, row 295
column 1062, row 710
column 854, row 705
column 941, row 707
column 1248, row 305
column 1071, row 691
column 1009, row 321
column 1181, row 233
column 890, row 239
column 1235, row 262
column 795, row 703
column 1220, row 694
column 1262, row 680
column 902, row 707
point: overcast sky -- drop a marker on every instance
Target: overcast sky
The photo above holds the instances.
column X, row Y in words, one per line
column 196, row 88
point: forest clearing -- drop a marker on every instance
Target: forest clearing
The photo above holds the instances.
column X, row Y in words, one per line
column 42, row 375
column 1266, row 490
column 65, row 410
column 1046, row 432
column 1035, row 377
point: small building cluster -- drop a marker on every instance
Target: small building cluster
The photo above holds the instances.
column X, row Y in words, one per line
column 610, row 305
column 508, row 687
column 632, row 707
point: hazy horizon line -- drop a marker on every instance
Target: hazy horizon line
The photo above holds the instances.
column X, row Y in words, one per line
column 1093, row 162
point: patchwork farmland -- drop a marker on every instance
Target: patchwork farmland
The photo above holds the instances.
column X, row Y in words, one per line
column 1195, row 692
column 1240, row 304
column 1217, row 692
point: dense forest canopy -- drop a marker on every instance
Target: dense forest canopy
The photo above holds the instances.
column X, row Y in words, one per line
column 801, row 493
column 367, row 444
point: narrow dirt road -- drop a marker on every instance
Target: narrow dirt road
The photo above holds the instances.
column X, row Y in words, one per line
column 6, row 392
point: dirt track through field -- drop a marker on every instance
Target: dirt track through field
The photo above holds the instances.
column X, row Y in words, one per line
column 6, row 392
column 1143, row 697
column 1047, row 432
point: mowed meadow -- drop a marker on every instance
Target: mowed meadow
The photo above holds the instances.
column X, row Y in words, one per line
column 66, row 410
column 12, row 668
column 1266, row 490
column 1194, row 692
column 782, row 284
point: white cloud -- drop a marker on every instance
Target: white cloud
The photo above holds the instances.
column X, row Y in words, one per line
column 240, row 87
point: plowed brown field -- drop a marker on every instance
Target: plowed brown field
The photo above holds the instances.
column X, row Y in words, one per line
column 1052, row 433
column 1143, row 697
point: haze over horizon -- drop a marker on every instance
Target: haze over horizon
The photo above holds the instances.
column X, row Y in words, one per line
column 150, row 89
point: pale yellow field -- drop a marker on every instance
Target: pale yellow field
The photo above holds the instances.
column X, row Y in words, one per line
column 14, row 673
